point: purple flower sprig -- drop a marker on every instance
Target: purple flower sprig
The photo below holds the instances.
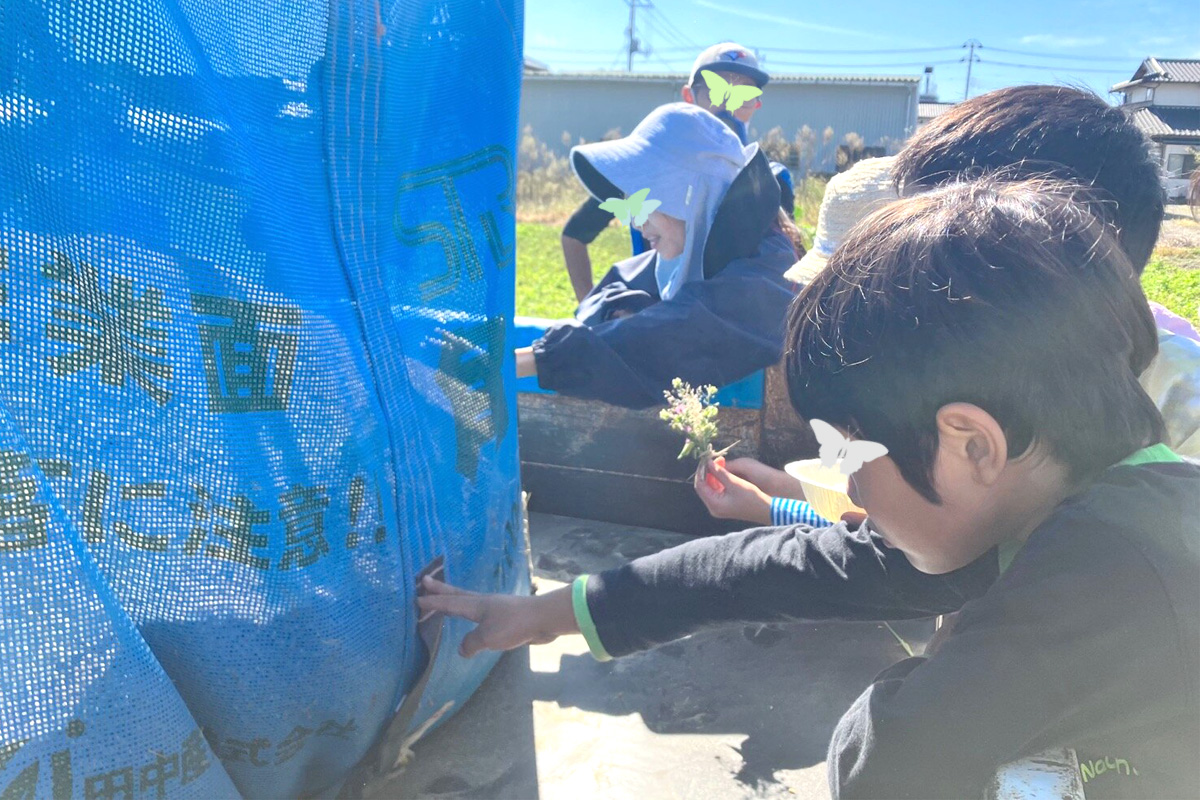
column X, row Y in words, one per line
column 692, row 412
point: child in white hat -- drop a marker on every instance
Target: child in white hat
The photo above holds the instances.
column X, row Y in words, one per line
column 850, row 197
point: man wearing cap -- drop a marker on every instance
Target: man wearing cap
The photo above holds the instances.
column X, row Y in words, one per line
column 732, row 62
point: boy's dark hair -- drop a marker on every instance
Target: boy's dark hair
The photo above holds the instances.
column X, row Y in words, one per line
column 1006, row 294
column 1097, row 143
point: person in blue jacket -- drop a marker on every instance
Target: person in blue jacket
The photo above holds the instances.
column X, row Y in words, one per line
column 707, row 302
column 734, row 64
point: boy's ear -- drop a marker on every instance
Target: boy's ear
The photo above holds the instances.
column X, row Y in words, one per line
column 688, row 95
column 973, row 440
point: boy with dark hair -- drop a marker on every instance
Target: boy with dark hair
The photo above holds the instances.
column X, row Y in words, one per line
column 1072, row 133
column 1030, row 130
column 1045, row 125
column 1025, row 486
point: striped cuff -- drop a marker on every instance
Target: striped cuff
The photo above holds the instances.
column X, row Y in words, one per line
column 583, row 618
column 786, row 511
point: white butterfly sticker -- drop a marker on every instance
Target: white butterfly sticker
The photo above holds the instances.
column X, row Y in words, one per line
column 852, row 453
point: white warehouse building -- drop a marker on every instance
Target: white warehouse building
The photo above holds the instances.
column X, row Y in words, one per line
column 563, row 107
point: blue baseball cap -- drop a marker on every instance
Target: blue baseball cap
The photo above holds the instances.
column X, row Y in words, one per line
column 729, row 57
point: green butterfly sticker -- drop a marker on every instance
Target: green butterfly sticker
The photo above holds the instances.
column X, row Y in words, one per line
column 722, row 91
column 633, row 210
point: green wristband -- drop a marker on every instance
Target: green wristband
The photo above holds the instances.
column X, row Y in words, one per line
column 583, row 618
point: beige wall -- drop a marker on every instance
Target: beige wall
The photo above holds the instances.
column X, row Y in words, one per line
column 1184, row 94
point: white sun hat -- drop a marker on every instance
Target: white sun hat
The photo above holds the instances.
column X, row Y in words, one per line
column 849, row 198
column 688, row 159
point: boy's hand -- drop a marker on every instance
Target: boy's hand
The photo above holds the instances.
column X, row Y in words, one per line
column 773, row 482
column 504, row 622
column 526, row 362
column 737, row 499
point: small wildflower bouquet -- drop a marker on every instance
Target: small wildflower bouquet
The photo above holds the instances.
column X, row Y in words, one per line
column 693, row 413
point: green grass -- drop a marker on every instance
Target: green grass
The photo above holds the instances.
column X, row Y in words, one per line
column 1173, row 279
column 543, row 289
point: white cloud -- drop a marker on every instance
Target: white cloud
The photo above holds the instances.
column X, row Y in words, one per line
column 1054, row 40
column 795, row 23
column 538, row 39
column 1158, row 41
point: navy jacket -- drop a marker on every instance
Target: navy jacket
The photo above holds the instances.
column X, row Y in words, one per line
column 717, row 330
column 1088, row 640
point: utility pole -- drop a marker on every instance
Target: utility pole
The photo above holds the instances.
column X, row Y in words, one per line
column 971, row 59
column 634, row 46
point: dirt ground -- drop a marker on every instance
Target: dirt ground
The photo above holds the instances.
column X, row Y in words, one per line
column 1180, row 229
column 739, row 712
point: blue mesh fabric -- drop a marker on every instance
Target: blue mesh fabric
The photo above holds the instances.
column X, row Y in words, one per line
column 256, row 278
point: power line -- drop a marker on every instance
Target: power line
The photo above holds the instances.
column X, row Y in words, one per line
column 865, row 66
column 661, row 30
column 570, row 62
column 665, row 53
column 581, row 50
column 674, row 62
column 806, row 51
column 1112, row 71
column 861, row 52
column 659, row 59
column 682, row 40
column 681, row 44
column 1058, row 55
column 613, row 64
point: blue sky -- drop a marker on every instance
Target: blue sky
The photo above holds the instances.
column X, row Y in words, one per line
column 1082, row 42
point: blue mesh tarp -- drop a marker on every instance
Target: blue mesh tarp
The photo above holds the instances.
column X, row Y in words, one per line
column 256, row 276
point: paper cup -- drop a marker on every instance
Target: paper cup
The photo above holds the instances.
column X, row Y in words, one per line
column 824, row 487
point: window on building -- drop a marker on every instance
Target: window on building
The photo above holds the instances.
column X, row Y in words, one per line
column 1150, row 94
column 1180, row 165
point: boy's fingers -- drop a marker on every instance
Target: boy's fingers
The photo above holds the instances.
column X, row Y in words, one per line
column 472, row 643
column 432, row 585
column 711, row 478
column 744, row 467
column 702, row 487
column 731, row 480
column 456, row 605
column 719, row 471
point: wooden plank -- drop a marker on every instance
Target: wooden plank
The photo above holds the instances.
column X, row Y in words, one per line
column 623, row 499
column 587, row 434
column 587, row 459
column 785, row 437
